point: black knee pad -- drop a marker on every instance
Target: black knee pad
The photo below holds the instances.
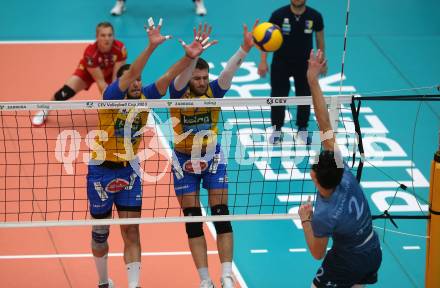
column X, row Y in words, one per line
column 221, row 227
column 193, row 229
column 64, row 93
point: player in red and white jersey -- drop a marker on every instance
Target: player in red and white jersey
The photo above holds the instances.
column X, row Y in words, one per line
column 99, row 64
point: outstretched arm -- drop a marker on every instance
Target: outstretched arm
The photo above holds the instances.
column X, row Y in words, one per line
column 155, row 39
column 183, row 78
column 98, row 76
column 316, row 64
column 225, row 78
column 184, row 67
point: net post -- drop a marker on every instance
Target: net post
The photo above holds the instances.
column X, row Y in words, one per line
column 433, row 241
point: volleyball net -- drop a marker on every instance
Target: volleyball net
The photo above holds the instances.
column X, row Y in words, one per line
column 43, row 170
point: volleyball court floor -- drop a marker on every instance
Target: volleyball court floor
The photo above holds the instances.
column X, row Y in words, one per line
column 384, row 53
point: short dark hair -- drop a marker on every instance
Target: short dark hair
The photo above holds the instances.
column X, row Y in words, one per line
column 327, row 172
column 122, row 69
column 104, row 25
column 202, row 64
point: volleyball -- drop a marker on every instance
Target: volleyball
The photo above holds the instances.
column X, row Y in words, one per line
column 267, row 37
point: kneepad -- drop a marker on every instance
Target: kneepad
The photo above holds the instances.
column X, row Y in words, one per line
column 64, row 93
column 99, row 236
column 193, row 229
column 221, row 227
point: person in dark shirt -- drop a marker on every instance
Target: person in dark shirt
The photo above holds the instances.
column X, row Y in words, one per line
column 298, row 23
column 341, row 208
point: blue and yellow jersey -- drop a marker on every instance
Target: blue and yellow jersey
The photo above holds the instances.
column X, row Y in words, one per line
column 191, row 121
column 118, row 127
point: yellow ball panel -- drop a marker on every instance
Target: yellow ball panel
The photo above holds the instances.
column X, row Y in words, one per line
column 260, row 30
column 275, row 41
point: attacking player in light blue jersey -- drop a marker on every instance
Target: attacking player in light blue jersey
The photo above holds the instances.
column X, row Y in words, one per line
column 341, row 209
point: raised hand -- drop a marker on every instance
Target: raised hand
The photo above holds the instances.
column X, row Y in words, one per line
column 153, row 32
column 316, row 64
column 200, row 43
column 248, row 39
column 263, row 68
column 305, row 211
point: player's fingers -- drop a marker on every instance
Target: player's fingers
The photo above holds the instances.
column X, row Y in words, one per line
column 159, row 25
column 150, row 23
column 209, row 30
column 245, row 28
column 205, row 29
column 312, row 55
column 182, row 42
column 319, row 55
column 209, row 44
column 167, row 37
column 195, row 32
column 256, row 23
column 199, row 32
column 205, row 41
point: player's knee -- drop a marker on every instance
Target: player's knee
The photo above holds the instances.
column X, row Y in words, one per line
column 193, row 229
column 221, row 227
column 64, row 93
column 130, row 234
column 100, row 235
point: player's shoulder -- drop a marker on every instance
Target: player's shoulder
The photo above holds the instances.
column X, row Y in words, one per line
column 92, row 48
column 282, row 11
column 118, row 44
column 313, row 12
column 119, row 48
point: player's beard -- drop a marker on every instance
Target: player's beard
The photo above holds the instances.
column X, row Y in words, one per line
column 135, row 94
column 198, row 91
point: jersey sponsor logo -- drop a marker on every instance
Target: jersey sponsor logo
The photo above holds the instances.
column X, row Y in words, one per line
column 204, row 118
column 285, row 28
column 196, row 123
column 116, row 185
column 181, row 187
column 195, row 166
column 309, row 27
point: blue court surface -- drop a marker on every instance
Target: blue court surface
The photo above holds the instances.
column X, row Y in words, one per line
column 392, row 45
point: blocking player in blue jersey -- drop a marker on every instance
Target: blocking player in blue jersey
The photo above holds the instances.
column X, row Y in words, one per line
column 113, row 173
column 199, row 158
column 341, row 209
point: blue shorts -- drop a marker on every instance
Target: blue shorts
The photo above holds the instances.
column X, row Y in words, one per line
column 197, row 170
column 343, row 269
column 107, row 186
